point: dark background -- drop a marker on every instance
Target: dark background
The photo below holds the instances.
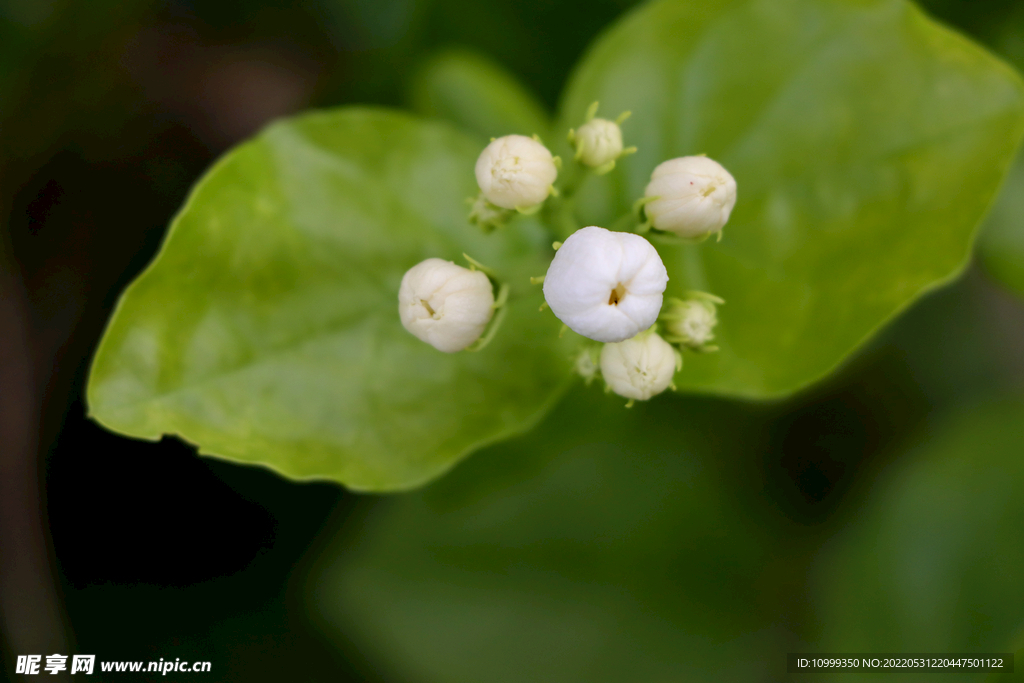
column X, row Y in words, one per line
column 109, row 111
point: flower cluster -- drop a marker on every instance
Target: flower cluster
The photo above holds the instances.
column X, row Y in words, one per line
column 608, row 286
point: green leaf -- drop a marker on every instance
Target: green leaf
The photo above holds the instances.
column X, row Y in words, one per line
column 477, row 95
column 931, row 561
column 867, row 142
column 1001, row 245
column 607, row 545
column 267, row 328
column 1018, row 657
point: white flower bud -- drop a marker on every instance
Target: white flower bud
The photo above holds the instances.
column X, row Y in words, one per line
column 515, row 172
column 640, row 367
column 598, row 142
column 445, row 305
column 606, row 285
column 694, row 196
column 691, row 322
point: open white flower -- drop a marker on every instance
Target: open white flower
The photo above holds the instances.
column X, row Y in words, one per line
column 693, row 196
column 641, row 367
column 515, row 172
column 606, row 285
column 445, row 305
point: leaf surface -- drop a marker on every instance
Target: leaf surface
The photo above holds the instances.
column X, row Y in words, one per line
column 606, row 545
column 931, row 561
column 478, row 95
column 867, row 142
column 267, row 328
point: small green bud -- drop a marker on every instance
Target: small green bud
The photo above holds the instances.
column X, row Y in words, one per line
column 691, row 322
column 598, row 142
column 486, row 215
column 587, row 364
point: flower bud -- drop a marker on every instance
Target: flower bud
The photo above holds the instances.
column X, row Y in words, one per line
column 515, row 172
column 586, row 364
column 691, row 322
column 445, row 305
column 485, row 214
column 691, row 196
column 606, row 285
column 598, row 142
column 640, row 367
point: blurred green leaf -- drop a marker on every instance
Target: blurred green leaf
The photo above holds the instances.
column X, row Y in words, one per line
column 932, row 561
column 477, row 95
column 267, row 328
column 1001, row 245
column 607, row 545
column 77, row 49
column 1018, row 661
column 867, row 142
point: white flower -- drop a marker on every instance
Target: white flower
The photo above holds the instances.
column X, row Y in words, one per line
column 598, row 142
column 640, row 367
column 606, row 285
column 515, row 172
column 694, row 196
column 445, row 305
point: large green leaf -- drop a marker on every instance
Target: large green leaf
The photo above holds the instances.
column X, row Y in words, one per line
column 479, row 96
column 607, row 545
column 267, row 328
column 867, row 142
column 931, row 561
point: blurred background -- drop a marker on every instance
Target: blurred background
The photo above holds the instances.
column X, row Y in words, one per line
column 877, row 511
